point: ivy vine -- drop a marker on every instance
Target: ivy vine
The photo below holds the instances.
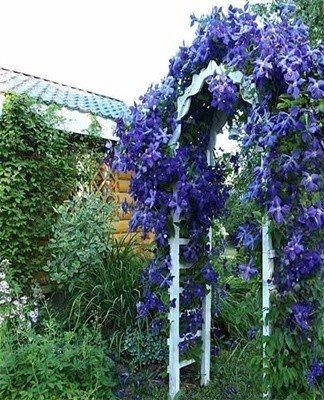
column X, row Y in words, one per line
column 39, row 169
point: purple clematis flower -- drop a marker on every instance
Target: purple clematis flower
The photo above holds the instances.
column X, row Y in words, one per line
column 294, row 87
column 263, row 68
column 277, row 210
column 289, row 163
column 314, row 151
column 151, row 155
column 248, row 270
column 310, row 181
column 302, row 312
column 209, row 273
column 316, row 370
column 245, row 237
column 288, row 7
column 294, row 248
column 316, row 88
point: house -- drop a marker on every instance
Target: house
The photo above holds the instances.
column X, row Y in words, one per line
column 77, row 107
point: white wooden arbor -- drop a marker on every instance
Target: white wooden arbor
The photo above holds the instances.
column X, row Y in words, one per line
column 175, row 242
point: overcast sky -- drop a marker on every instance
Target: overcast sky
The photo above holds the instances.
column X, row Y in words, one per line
column 117, row 48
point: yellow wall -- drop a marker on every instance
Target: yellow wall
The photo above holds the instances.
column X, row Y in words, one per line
column 116, row 186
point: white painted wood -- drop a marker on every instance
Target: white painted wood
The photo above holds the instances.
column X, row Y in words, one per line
column 268, row 255
column 206, row 303
column 174, row 313
column 267, row 273
column 205, row 334
column 185, row 363
column 184, row 101
column 195, row 336
column 183, row 241
column 80, row 122
column 186, row 266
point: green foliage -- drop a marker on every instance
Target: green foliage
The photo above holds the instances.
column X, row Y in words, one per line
column 109, row 290
column 287, row 351
column 80, row 238
column 311, row 12
column 54, row 365
column 231, row 377
column 38, row 360
column 38, row 170
column 240, row 307
column 98, row 273
column 239, row 210
column 143, row 348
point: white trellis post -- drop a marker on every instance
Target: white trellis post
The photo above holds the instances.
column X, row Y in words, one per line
column 175, row 365
column 174, row 313
column 205, row 335
column 268, row 255
column 206, row 304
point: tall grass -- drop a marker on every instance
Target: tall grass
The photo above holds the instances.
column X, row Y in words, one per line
column 241, row 307
column 108, row 291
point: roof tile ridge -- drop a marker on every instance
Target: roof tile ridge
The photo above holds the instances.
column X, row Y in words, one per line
column 60, row 84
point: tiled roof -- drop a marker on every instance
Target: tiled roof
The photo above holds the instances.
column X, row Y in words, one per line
column 66, row 96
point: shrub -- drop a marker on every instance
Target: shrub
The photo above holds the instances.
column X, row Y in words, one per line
column 97, row 273
column 80, row 239
column 40, row 361
column 54, row 365
column 143, row 347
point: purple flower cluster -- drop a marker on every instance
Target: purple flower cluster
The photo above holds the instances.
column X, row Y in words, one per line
column 191, row 321
column 316, row 370
column 248, row 235
column 280, row 98
column 302, row 313
column 224, row 91
column 152, row 303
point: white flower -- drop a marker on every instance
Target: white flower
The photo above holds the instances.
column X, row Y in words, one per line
column 4, row 287
column 223, row 232
column 5, row 299
column 4, row 264
column 16, row 304
column 33, row 315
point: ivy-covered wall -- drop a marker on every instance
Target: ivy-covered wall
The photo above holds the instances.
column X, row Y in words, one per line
column 39, row 168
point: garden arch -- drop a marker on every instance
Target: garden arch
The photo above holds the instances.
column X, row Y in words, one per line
column 218, row 121
column 272, row 75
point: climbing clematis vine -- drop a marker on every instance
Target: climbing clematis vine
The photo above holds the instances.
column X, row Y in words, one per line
column 270, row 80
